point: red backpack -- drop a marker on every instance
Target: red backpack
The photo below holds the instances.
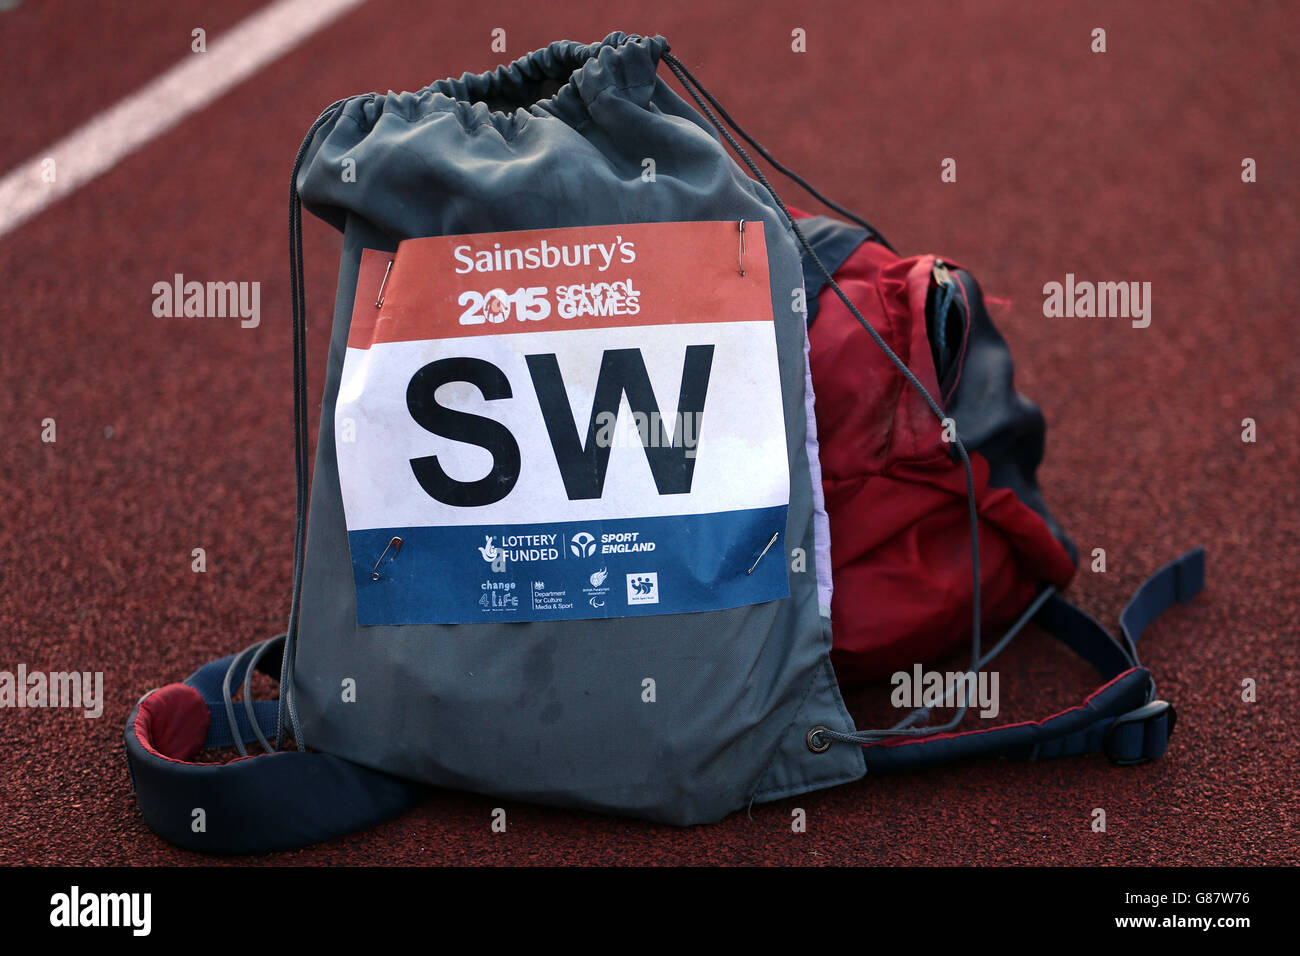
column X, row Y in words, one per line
column 895, row 492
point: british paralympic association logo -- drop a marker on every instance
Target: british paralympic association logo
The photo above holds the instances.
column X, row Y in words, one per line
column 596, row 593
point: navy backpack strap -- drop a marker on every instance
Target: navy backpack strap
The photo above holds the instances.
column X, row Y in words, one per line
column 270, row 801
column 1122, row 718
column 834, row 242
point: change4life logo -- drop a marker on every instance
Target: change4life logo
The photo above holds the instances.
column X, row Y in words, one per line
column 498, row 596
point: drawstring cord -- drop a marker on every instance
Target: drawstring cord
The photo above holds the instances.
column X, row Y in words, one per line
column 679, row 69
column 288, row 709
column 258, row 651
column 689, row 83
column 287, row 718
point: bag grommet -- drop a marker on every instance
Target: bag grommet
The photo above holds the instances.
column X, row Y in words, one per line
column 816, row 742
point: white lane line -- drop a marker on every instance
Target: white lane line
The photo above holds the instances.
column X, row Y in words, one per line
column 188, row 86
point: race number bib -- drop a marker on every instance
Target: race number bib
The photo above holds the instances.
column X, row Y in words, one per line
column 564, row 423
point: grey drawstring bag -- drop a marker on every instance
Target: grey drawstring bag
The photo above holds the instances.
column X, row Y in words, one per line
column 566, row 538
column 562, row 540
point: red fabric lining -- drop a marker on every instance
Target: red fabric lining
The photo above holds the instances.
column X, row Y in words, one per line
column 172, row 723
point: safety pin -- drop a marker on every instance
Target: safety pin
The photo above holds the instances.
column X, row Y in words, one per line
column 383, row 285
column 396, row 545
column 775, row 535
column 741, row 261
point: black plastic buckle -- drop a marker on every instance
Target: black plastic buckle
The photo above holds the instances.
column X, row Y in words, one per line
column 1144, row 714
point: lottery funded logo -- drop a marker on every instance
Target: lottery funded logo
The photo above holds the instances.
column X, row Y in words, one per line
column 520, row 548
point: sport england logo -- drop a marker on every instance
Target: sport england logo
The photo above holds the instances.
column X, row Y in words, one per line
column 643, row 587
column 583, row 545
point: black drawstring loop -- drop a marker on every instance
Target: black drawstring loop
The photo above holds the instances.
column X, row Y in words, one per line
column 288, row 716
column 676, row 65
column 689, row 83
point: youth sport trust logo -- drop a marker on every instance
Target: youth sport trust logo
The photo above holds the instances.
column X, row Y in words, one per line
column 643, row 587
